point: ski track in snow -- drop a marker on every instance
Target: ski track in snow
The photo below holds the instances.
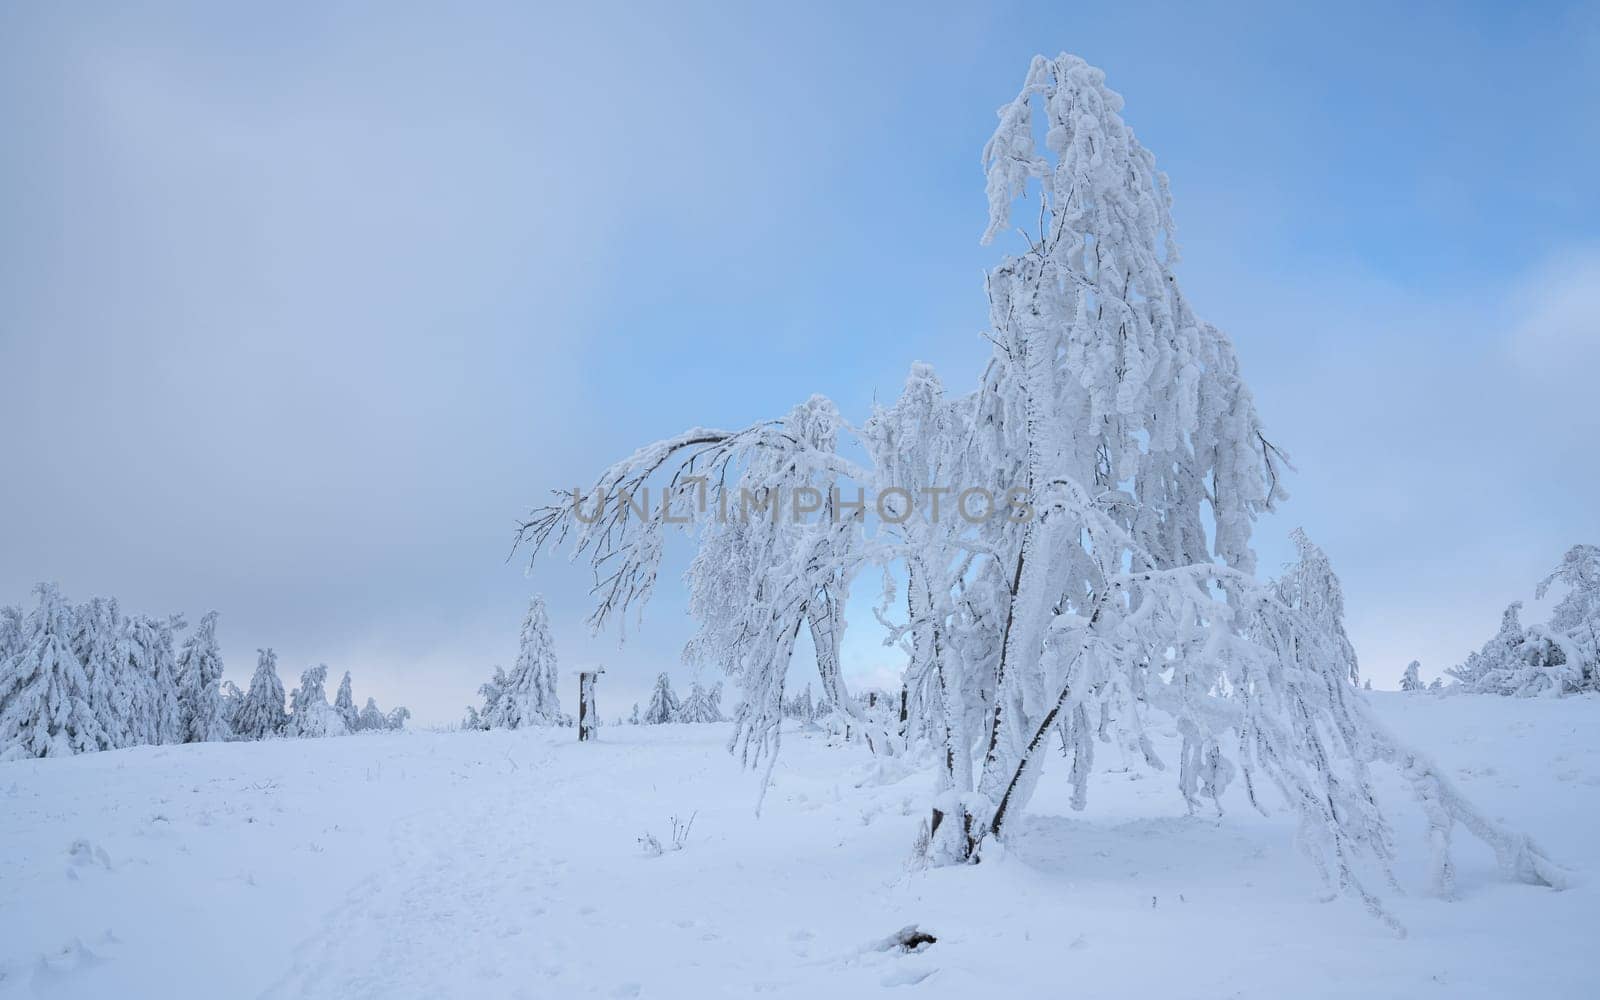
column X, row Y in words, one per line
column 506, row 865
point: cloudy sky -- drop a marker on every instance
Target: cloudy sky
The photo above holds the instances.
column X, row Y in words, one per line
column 302, row 305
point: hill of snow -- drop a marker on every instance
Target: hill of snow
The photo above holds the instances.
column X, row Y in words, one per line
column 490, row 864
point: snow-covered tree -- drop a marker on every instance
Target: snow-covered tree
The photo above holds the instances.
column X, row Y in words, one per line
column 10, row 631
column 396, row 719
column 494, row 693
column 703, row 704
column 98, row 642
column 663, row 705
column 527, row 696
column 1111, row 577
column 1410, row 681
column 371, row 718
column 633, row 717
column 1311, row 587
column 199, row 671
column 261, row 714
column 801, row 706
column 151, row 673
column 44, row 691
column 310, row 715
column 1500, row 657
column 229, row 699
column 345, row 704
column 1574, row 626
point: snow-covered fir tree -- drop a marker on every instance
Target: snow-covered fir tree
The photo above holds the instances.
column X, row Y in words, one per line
column 397, row 718
column 310, row 715
column 703, row 704
column 1111, row 581
column 633, row 716
column 229, row 699
column 1561, row 656
column 199, row 684
column 261, row 714
column 44, row 691
column 493, row 691
column 345, row 704
column 10, row 631
column 663, row 706
column 1410, row 680
column 98, row 642
column 151, row 672
column 371, row 718
column 801, row 706
column 527, row 696
column 1574, row 627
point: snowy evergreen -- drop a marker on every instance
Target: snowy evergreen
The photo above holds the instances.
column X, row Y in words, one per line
column 10, row 631
column 396, row 719
column 703, row 704
column 663, row 705
column 1409, row 681
column 527, row 696
column 310, row 715
column 261, row 714
column 801, row 706
column 228, row 701
column 98, row 642
column 493, row 691
column 1559, row 657
column 199, row 684
column 150, row 672
column 371, row 718
column 345, row 704
column 44, row 690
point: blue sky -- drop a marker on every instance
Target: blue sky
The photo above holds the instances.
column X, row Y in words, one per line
column 301, row 306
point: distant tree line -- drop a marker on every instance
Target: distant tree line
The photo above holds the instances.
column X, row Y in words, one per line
column 78, row 678
column 703, row 704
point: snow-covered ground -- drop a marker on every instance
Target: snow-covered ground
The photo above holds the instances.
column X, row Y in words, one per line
column 491, row 864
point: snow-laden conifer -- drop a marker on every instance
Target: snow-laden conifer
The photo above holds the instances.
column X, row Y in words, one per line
column 1561, row 656
column 702, row 704
column 229, row 698
column 10, row 631
column 527, row 695
column 262, row 714
column 345, row 704
column 199, row 672
column 371, row 718
column 493, row 692
column 310, row 715
column 1410, row 680
column 44, row 691
column 97, row 641
column 663, row 706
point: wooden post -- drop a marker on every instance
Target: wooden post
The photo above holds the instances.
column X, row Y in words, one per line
column 588, row 713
